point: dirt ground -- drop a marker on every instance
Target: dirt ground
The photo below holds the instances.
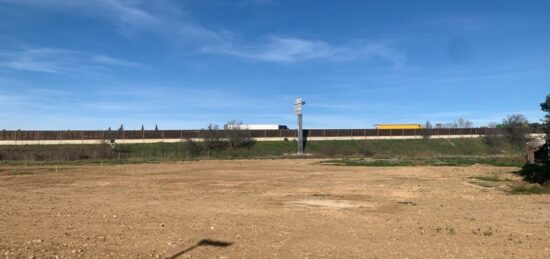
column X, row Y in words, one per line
column 267, row 209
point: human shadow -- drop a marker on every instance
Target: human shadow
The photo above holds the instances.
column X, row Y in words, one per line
column 204, row 242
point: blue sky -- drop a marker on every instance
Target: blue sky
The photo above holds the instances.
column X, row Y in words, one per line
column 92, row 64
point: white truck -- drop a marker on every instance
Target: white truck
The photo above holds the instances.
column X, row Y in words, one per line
column 255, row 126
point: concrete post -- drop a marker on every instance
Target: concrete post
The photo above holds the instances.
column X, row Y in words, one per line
column 298, row 105
column 300, row 136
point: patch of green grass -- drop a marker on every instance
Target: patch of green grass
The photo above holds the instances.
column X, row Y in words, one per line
column 374, row 163
column 488, row 181
column 440, row 161
column 505, row 161
column 485, row 184
column 20, row 172
column 529, row 189
column 407, row 203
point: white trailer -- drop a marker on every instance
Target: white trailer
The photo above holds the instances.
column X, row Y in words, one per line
column 255, row 126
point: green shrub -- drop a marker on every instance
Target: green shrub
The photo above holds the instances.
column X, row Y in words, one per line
column 191, row 148
column 535, row 173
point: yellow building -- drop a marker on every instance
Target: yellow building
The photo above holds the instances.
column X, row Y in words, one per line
column 398, row 126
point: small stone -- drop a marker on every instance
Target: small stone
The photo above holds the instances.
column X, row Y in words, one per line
column 162, row 224
column 38, row 241
column 73, row 251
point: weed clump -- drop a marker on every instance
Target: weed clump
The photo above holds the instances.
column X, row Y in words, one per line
column 529, row 189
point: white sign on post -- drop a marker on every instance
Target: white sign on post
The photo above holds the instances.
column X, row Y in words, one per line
column 298, row 105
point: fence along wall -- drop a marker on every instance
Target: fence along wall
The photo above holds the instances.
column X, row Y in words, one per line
column 10, row 135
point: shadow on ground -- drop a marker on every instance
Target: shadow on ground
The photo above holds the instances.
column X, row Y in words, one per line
column 204, row 242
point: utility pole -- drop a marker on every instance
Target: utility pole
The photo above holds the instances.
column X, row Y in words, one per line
column 298, row 106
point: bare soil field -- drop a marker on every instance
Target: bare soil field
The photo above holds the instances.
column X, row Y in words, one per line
column 267, row 209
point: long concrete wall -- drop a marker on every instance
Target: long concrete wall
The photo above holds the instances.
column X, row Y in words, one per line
column 83, row 136
column 175, row 140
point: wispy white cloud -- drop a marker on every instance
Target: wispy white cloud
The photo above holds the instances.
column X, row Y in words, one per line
column 289, row 49
column 169, row 19
column 50, row 60
column 279, row 49
column 102, row 59
column 35, row 60
column 127, row 11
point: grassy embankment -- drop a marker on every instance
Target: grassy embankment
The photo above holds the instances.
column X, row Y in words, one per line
column 380, row 152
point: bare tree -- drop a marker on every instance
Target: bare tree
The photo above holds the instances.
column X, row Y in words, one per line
column 459, row 123
column 492, row 137
column 213, row 137
column 515, row 126
column 236, row 135
column 464, row 124
column 515, row 120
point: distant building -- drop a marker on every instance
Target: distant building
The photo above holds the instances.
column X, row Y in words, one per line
column 255, row 126
column 398, row 126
